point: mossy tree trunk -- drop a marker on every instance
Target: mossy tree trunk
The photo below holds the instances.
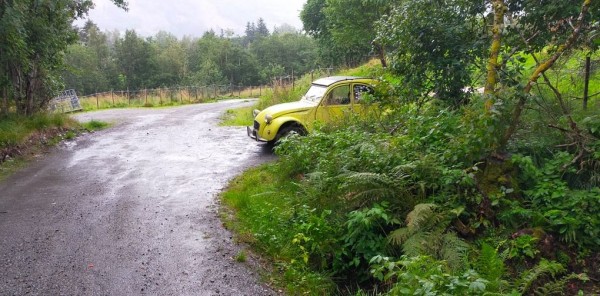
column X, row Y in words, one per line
column 492, row 64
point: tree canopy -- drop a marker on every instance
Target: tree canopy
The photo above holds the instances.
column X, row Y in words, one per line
column 35, row 35
column 164, row 60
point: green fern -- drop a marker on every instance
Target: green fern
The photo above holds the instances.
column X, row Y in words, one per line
column 544, row 269
column 376, row 186
column 491, row 267
column 426, row 234
column 557, row 287
column 422, row 218
column 421, row 214
column 453, row 250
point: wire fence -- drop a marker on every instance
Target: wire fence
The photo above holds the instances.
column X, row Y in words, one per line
column 168, row 96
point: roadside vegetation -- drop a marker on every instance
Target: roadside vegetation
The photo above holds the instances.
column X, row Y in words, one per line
column 21, row 137
column 443, row 191
column 24, row 137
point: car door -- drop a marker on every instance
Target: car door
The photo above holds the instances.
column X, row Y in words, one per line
column 336, row 104
column 359, row 91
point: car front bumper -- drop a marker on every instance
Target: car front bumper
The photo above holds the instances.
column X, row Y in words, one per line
column 253, row 133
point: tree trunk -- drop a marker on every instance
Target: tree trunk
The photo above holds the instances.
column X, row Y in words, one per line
column 492, row 64
column 4, row 107
column 586, row 81
column 30, row 92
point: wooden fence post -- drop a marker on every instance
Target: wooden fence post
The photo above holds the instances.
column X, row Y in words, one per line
column 128, row 97
column 112, row 97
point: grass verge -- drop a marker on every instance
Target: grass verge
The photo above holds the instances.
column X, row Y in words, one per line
column 94, row 125
column 23, row 138
column 258, row 206
column 238, row 117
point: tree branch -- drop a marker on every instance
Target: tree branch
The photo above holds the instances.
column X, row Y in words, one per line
column 543, row 67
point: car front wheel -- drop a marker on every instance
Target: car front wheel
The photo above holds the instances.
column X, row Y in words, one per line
column 287, row 131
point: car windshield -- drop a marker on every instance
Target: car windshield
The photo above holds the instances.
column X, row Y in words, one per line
column 314, row 93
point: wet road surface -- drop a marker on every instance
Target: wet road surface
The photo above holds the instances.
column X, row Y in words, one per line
column 130, row 210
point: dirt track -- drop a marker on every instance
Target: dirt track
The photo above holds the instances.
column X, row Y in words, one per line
column 130, row 210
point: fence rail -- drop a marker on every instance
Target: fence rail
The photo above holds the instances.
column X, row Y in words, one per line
column 167, row 96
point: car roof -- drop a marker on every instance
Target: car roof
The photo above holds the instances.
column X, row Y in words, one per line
column 327, row 81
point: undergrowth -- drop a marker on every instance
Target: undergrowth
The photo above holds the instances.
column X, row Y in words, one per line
column 21, row 137
column 416, row 200
column 414, row 205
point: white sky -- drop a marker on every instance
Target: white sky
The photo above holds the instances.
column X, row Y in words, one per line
column 194, row 17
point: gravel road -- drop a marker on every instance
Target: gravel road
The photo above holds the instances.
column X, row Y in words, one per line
column 130, row 210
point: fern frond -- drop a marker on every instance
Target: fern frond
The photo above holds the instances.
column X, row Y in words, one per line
column 400, row 235
column 374, row 194
column 454, row 251
column 419, row 244
column 365, row 178
column 557, row 287
column 373, row 186
column 543, row 269
column 420, row 214
column 490, row 266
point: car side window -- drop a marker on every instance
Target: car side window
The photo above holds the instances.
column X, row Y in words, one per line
column 339, row 96
column 360, row 90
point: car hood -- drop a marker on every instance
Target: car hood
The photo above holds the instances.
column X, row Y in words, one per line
column 286, row 108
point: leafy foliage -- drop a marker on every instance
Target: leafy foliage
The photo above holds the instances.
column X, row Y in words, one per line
column 364, row 237
column 35, row 35
column 134, row 62
column 344, row 30
column 422, row 275
column 433, row 48
column 569, row 212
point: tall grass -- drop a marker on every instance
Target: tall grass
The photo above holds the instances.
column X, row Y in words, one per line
column 15, row 130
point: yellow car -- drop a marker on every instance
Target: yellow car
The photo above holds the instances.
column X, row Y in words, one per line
column 328, row 99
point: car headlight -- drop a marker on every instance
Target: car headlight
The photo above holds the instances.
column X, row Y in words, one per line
column 255, row 112
column 268, row 118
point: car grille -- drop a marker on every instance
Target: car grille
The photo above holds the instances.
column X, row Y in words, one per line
column 256, row 125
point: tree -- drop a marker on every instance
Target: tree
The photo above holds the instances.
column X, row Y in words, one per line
column 89, row 66
column 293, row 52
column 434, row 49
column 35, row 35
column 134, row 60
column 170, row 57
column 559, row 27
column 261, row 28
column 344, row 30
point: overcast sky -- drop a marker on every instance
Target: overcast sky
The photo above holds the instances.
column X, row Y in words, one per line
column 194, row 17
